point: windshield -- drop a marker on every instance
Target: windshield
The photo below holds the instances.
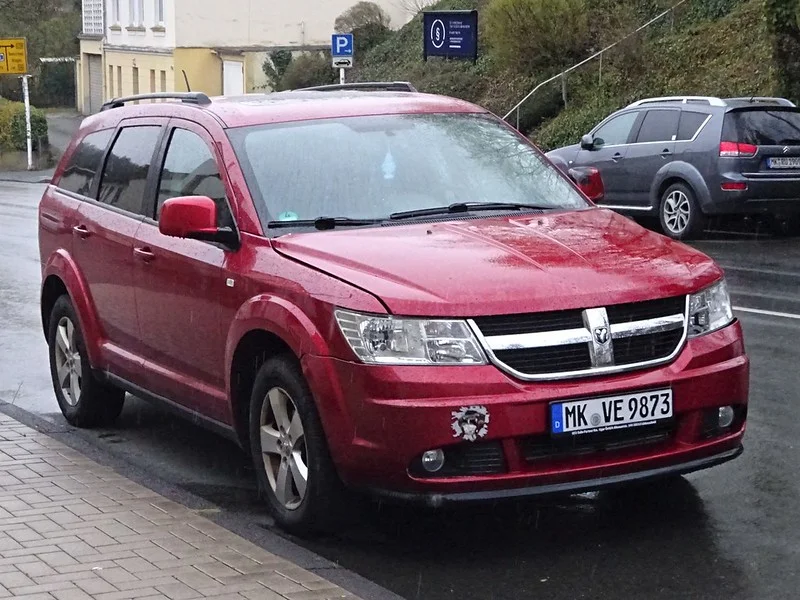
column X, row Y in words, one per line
column 763, row 127
column 375, row 166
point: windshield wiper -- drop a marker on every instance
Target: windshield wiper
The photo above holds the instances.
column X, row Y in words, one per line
column 463, row 207
column 323, row 223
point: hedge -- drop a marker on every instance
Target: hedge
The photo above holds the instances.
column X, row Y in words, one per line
column 12, row 126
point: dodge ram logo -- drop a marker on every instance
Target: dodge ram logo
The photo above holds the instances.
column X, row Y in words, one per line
column 601, row 335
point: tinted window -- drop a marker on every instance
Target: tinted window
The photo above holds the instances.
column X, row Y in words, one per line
column 191, row 170
column 763, row 127
column 83, row 165
column 370, row 167
column 690, row 123
column 616, row 131
column 125, row 176
column 659, row 126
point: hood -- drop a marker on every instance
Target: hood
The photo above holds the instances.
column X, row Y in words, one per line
column 553, row 261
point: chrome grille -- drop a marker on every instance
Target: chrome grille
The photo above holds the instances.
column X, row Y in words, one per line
column 575, row 343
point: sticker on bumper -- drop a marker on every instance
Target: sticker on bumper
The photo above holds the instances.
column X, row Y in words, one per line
column 470, row 423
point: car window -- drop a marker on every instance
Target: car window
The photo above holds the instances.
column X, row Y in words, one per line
column 659, row 126
column 373, row 166
column 190, row 169
column 83, row 165
column 616, row 131
column 763, row 127
column 125, row 175
column 690, row 123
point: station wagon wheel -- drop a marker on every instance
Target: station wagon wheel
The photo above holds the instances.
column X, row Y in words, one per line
column 84, row 400
column 283, row 445
column 679, row 213
column 296, row 475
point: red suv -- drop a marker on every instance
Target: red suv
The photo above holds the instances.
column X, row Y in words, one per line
column 380, row 290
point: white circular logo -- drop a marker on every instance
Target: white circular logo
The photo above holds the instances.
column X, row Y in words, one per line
column 438, row 33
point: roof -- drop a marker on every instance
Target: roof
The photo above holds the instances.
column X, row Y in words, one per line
column 292, row 106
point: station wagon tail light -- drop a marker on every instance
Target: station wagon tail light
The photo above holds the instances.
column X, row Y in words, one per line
column 710, row 309
column 394, row 341
column 737, row 150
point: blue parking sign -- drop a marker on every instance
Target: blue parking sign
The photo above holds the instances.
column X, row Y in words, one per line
column 342, row 45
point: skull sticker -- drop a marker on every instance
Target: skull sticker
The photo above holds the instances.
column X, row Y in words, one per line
column 470, row 423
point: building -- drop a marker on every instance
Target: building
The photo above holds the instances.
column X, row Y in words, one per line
column 140, row 46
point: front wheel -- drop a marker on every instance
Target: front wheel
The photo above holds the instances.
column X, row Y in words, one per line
column 290, row 452
column 679, row 213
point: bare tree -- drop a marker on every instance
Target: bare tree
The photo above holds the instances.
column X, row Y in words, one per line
column 413, row 7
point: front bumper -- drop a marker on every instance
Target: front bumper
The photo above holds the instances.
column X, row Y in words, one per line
column 379, row 420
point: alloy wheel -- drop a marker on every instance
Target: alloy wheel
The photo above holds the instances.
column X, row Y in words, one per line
column 283, row 446
column 677, row 212
column 68, row 361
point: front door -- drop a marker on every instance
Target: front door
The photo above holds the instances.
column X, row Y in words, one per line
column 180, row 283
column 103, row 246
column 654, row 148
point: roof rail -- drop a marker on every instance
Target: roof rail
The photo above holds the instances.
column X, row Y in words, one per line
column 763, row 100
column 710, row 100
column 374, row 86
column 196, row 98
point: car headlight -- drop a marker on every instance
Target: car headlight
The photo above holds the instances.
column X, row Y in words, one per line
column 396, row 341
column 710, row 309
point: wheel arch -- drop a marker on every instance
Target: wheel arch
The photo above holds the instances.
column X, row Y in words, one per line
column 680, row 172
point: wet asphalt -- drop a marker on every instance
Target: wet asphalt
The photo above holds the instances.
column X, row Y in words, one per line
column 732, row 532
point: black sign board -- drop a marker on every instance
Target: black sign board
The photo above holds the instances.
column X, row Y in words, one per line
column 451, row 33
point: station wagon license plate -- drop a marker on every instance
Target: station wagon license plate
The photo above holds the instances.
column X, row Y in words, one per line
column 611, row 413
column 784, row 162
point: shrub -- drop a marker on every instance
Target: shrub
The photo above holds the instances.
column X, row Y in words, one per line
column 361, row 15
column 275, row 67
column 12, row 126
column 537, row 35
column 308, row 69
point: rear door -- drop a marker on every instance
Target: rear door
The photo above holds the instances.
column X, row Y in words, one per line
column 609, row 154
column 775, row 132
column 181, row 284
column 654, row 148
column 103, row 245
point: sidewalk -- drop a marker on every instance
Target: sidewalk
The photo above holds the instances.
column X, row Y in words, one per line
column 71, row 529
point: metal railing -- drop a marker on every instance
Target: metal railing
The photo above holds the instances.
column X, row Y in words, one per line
column 562, row 75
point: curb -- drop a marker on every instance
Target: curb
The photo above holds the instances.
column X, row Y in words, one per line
column 261, row 536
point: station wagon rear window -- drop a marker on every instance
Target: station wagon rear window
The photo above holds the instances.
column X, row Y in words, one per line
column 773, row 127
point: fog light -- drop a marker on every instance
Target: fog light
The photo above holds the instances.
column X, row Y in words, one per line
column 725, row 416
column 433, row 460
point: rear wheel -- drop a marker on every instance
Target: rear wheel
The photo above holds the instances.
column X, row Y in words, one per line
column 679, row 213
column 84, row 400
column 295, row 472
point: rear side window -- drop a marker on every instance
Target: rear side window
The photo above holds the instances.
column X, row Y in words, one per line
column 659, row 126
column 690, row 124
column 125, row 174
column 616, row 131
column 762, row 127
column 84, row 164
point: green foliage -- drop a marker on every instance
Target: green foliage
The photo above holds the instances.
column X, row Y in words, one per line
column 713, row 9
column 54, row 85
column 533, row 36
column 782, row 18
column 12, row 126
column 361, row 15
column 275, row 67
column 308, row 69
column 366, row 37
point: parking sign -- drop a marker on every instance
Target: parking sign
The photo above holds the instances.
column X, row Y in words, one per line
column 342, row 45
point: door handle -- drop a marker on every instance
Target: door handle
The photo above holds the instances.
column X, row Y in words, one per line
column 144, row 254
column 666, row 152
column 617, row 156
column 81, row 231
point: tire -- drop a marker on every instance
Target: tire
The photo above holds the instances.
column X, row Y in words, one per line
column 297, row 447
column 84, row 400
column 680, row 214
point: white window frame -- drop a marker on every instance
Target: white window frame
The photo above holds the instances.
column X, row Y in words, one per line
column 159, row 12
column 136, row 13
column 115, row 12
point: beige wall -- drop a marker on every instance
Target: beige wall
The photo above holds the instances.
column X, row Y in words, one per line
column 151, row 69
column 207, row 23
column 203, row 68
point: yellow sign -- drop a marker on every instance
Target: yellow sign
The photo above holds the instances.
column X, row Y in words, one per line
column 13, row 56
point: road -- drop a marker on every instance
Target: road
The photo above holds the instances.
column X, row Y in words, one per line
column 730, row 532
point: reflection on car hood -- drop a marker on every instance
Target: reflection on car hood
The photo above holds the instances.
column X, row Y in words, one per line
column 504, row 265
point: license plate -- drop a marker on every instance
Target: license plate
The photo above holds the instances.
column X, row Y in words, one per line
column 784, row 162
column 596, row 415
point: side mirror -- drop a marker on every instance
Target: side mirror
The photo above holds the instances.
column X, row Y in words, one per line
column 194, row 217
column 588, row 142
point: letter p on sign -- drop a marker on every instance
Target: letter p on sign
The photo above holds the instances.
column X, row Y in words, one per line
column 342, row 45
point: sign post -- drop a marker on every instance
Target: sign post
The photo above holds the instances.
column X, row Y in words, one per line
column 14, row 61
column 451, row 34
column 342, row 53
